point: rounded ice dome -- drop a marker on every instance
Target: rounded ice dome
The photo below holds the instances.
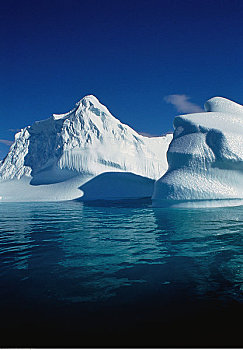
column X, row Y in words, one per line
column 205, row 158
column 221, row 104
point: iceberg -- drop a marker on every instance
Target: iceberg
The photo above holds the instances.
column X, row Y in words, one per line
column 52, row 159
column 205, row 159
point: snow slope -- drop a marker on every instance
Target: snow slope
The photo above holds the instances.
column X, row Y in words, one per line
column 51, row 159
column 205, row 158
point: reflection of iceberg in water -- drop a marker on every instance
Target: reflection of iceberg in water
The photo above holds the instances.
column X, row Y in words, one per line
column 205, row 159
column 204, row 254
column 30, row 253
column 16, row 242
column 83, row 271
column 104, row 242
column 29, row 228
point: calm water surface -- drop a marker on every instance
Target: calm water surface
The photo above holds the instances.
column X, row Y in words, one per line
column 119, row 274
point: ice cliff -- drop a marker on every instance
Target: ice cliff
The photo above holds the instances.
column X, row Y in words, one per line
column 205, row 158
column 53, row 158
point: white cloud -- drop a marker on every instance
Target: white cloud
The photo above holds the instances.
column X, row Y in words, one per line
column 182, row 104
column 6, row 142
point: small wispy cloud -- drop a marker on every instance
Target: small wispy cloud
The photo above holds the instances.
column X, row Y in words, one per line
column 6, row 142
column 182, row 104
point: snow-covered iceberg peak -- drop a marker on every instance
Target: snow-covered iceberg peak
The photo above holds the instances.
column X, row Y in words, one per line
column 205, row 158
column 92, row 102
column 221, row 104
column 84, row 143
column 89, row 102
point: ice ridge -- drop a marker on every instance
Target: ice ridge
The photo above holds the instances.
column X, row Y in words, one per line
column 85, row 142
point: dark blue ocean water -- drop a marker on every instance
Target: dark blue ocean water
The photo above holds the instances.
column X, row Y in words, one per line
column 120, row 275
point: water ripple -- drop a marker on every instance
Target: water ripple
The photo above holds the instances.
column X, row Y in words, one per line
column 74, row 252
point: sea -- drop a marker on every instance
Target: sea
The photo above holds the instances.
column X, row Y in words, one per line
column 120, row 275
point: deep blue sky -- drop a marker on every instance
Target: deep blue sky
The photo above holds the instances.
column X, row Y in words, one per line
column 129, row 53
